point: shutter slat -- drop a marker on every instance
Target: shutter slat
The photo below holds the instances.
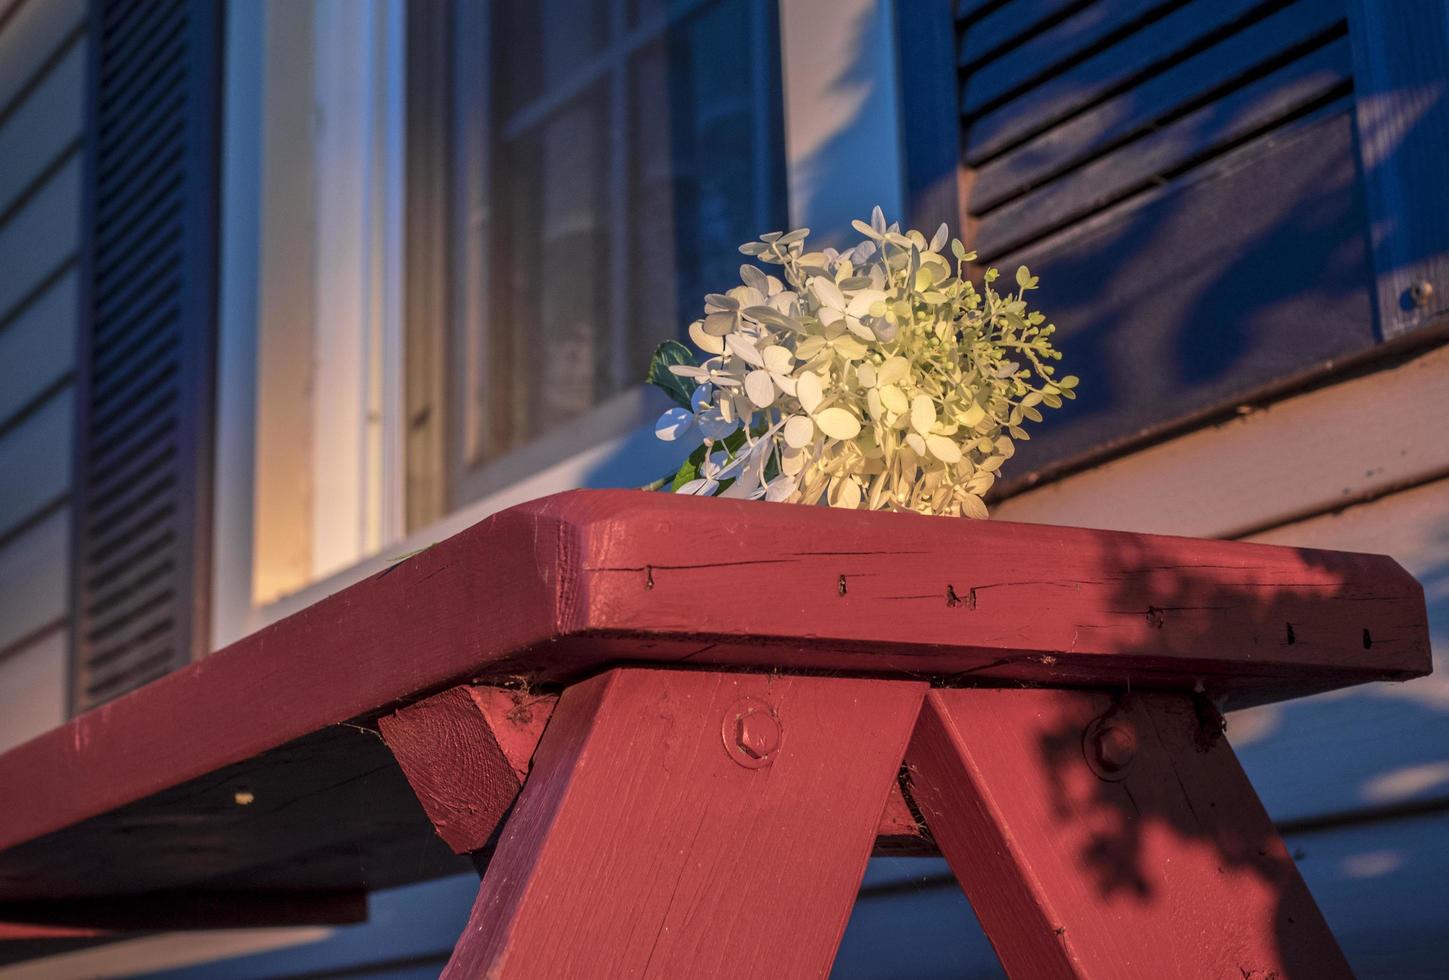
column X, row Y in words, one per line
column 1323, row 74
column 1185, row 85
column 1051, row 51
column 143, row 490
column 1157, row 46
column 993, row 32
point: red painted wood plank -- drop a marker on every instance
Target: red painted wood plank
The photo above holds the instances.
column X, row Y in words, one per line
column 465, row 753
column 564, row 586
column 1098, row 838
column 699, row 824
column 18, row 931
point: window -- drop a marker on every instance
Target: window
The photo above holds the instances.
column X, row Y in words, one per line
column 607, row 158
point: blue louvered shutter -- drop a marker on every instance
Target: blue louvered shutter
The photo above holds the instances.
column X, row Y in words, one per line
column 1181, row 174
column 143, row 464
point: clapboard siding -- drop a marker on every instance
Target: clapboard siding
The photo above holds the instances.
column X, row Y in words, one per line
column 1378, row 745
column 37, row 348
column 34, row 474
column 1377, row 886
column 44, row 127
column 39, row 238
column 32, row 689
column 43, row 73
column 32, row 37
column 34, row 567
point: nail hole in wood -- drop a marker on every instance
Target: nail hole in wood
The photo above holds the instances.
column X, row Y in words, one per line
column 1368, row 640
column 1155, row 619
column 952, row 599
column 1291, row 638
column 840, row 586
column 648, row 577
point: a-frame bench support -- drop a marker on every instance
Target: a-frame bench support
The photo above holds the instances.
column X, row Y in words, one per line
column 1099, row 836
column 693, row 823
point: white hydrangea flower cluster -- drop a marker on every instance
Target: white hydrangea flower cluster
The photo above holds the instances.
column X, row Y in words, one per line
column 878, row 377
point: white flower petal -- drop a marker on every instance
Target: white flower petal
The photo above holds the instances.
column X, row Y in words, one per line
column 861, row 302
column 894, row 399
column 674, row 424
column 845, row 494
column 853, row 324
column 706, row 342
column 827, row 293
column 744, row 349
column 914, row 440
column 838, row 423
column 760, row 388
column 809, row 391
column 778, row 360
column 781, row 487
column 719, row 324
column 893, row 371
column 699, row 488
column 799, row 430
column 943, row 449
column 923, row 414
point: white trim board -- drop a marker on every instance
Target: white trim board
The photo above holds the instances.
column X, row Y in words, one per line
column 1329, row 447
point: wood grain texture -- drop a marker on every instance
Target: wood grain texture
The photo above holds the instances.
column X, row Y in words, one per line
column 466, row 754
column 1155, row 859
column 641, row 847
column 1401, row 95
column 572, row 583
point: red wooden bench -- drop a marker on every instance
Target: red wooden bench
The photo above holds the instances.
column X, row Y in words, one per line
column 714, row 711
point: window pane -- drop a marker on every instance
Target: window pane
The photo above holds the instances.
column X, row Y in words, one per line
column 550, row 349
column 701, row 180
column 541, row 42
column 620, row 176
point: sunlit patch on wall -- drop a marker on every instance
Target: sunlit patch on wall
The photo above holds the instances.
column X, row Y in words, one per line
column 1410, row 781
column 1371, row 864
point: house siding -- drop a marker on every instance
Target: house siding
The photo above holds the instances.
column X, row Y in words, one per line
column 42, row 98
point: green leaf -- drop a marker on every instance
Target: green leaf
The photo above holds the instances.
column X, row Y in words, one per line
column 689, row 469
column 666, row 354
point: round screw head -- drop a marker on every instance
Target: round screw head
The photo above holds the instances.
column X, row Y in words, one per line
column 1109, row 747
column 1114, row 748
column 758, row 734
column 1421, row 292
column 752, row 733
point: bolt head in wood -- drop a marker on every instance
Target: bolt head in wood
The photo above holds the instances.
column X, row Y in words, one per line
column 1109, row 747
column 1421, row 292
column 752, row 733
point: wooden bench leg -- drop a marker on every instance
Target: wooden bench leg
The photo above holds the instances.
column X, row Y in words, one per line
column 1104, row 838
column 691, row 824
